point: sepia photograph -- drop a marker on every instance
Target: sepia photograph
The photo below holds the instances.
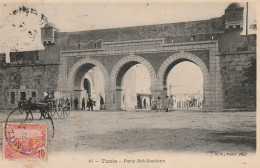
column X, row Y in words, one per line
column 136, row 84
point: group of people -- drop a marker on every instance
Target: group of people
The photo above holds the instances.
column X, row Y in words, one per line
column 90, row 103
column 166, row 104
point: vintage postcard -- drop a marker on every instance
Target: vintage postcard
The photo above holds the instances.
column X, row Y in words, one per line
column 153, row 84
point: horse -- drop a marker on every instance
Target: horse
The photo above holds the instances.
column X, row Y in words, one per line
column 44, row 107
column 21, row 105
column 32, row 105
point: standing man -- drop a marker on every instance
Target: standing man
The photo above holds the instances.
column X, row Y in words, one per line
column 90, row 104
column 101, row 103
column 171, row 103
column 83, row 104
column 76, row 102
column 144, row 103
column 166, row 103
column 159, row 104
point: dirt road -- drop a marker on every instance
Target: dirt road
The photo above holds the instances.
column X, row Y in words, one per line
column 136, row 131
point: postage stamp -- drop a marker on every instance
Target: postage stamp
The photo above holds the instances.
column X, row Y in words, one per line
column 25, row 140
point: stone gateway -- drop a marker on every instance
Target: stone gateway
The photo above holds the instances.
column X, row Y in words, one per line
column 216, row 46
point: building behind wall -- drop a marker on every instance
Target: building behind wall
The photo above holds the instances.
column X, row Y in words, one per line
column 26, row 76
column 33, row 72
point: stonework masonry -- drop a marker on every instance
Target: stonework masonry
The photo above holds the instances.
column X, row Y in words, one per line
column 28, row 79
column 235, row 93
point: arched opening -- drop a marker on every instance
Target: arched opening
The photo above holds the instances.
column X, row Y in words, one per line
column 89, row 82
column 119, row 71
column 184, row 83
column 87, row 86
column 177, row 58
column 134, row 82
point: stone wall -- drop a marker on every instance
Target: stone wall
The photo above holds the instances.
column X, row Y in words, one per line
column 236, row 90
column 107, row 61
column 203, row 55
column 155, row 59
column 146, row 32
column 26, row 78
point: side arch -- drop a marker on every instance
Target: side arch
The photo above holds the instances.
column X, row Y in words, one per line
column 132, row 58
column 185, row 56
column 74, row 69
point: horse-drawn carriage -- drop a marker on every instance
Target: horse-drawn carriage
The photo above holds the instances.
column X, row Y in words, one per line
column 48, row 107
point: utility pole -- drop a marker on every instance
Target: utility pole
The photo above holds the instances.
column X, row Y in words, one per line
column 171, row 89
column 171, row 86
column 198, row 99
column 247, row 18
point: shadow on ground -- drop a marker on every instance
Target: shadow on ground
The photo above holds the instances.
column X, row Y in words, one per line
column 171, row 140
column 236, row 138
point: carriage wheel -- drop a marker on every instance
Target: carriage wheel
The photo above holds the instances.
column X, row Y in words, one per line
column 59, row 108
column 68, row 107
column 63, row 107
column 52, row 109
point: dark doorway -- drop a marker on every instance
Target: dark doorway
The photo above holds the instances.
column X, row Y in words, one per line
column 87, row 86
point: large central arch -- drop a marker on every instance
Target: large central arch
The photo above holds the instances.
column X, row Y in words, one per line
column 121, row 68
column 177, row 58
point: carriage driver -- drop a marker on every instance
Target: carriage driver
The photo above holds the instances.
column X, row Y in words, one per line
column 47, row 96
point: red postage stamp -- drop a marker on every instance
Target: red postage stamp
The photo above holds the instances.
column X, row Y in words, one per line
column 25, row 141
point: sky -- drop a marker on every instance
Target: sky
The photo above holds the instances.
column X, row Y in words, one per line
column 185, row 77
column 69, row 17
column 86, row 16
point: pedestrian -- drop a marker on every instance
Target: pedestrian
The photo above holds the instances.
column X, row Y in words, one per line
column 159, row 104
column 166, row 104
column 83, row 104
column 101, row 103
column 187, row 103
column 171, row 103
column 93, row 101
column 154, row 104
column 90, row 104
column 144, row 103
column 76, row 102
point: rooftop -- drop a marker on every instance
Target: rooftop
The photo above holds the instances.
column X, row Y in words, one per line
column 234, row 6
